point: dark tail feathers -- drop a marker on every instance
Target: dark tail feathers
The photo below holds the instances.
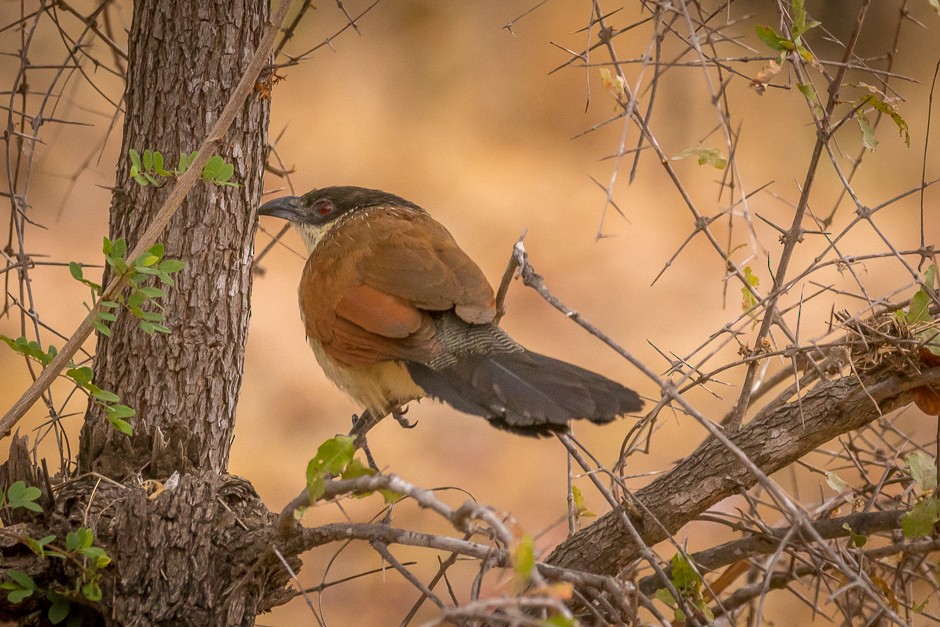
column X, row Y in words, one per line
column 524, row 392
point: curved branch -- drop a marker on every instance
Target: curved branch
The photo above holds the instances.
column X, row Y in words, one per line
column 864, row 523
column 772, row 440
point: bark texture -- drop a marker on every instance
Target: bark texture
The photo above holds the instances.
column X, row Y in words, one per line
column 184, row 59
column 199, row 553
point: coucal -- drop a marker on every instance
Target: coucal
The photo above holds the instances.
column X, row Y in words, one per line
column 396, row 311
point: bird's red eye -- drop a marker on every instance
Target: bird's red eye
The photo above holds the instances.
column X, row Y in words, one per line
column 323, row 207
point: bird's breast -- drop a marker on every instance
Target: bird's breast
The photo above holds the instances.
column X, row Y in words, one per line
column 380, row 387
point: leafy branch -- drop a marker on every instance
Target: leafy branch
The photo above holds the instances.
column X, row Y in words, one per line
column 148, row 169
column 141, row 301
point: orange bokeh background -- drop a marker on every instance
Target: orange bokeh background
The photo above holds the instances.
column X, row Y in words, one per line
column 437, row 102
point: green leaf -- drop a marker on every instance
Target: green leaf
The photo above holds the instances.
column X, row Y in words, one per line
column 59, row 609
column 354, row 470
column 146, row 260
column 158, row 164
column 140, row 180
column 152, row 292
column 17, row 596
column 770, row 37
column 148, row 160
column 75, row 270
column 800, row 23
column 666, row 597
column 857, row 539
column 709, row 156
column 121, row 425
column 120, row 411
column 869, row 141
column 29, row 349
column 92, row 591
column 21, row 579
column 212, row 168
column 171, row 266
column 97, row 555
column 72, row 542
column 919, row 311
column 523, row 559
column 135, row 159
column 332, row 458
column 890, row 111
column 748, row 300
column 37, row 546
column 119, row 247
column 106, row 397
column 923, row 470
column 919, row 522
column 19, row 495
column 107, row 317
column 151, row 316
column 809, row 92
column 684, row 577
column 136, row 299
column 102, row 329
column 580, row 509
column 81, row 376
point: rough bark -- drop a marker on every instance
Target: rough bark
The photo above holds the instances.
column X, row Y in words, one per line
column 201, row 551
column 196, row 554
column 184, row 59
column 772, row 440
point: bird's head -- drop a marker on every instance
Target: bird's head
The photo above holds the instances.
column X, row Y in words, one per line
column 315, row 213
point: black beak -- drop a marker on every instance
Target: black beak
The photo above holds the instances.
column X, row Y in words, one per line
column 289, row 208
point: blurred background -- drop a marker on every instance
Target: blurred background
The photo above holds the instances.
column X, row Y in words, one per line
column 439, row 103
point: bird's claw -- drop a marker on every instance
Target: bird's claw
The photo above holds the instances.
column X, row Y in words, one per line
column 399, row 416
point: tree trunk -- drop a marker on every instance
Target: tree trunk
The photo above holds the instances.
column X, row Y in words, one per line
column 199, row 551
column 184, row 59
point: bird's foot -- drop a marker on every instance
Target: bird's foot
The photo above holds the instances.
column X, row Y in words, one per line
column 399, row 416
column 361, row 424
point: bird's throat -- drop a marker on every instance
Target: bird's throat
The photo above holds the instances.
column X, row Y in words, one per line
column 311, row 234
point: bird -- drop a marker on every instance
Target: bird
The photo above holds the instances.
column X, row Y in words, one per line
column 395, row 311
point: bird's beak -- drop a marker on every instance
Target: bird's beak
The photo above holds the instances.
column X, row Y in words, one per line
column 287, row 207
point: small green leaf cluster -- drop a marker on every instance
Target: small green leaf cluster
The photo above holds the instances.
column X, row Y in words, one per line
column 31, row 349
column 917, row 316
column 523, row 560
column 79, row 549
column 877, row 100
column 705, row 156
column 148, row 168
column 19, row 495
column 580, row 509
column 111, row 402
column 919, row 522
column 748, row 300
column 137, row 271
column 800, row 24
column 688, row 583
column 82, row 377
column 336, row 457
